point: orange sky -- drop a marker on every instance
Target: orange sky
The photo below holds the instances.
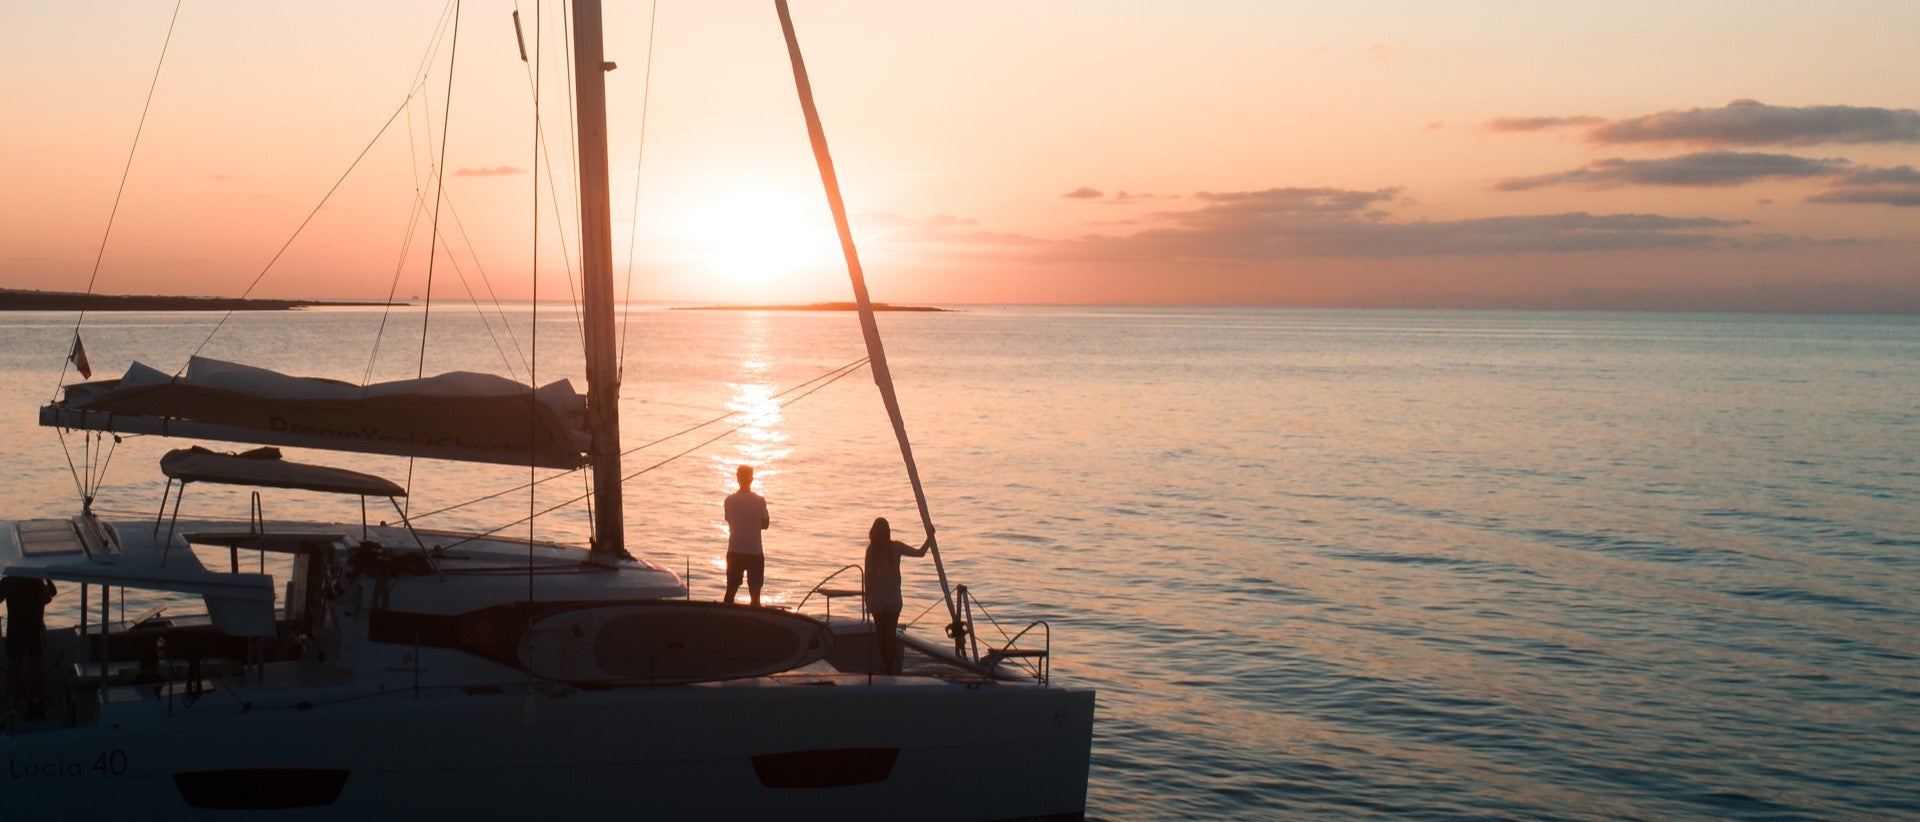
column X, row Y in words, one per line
column 1383, row 153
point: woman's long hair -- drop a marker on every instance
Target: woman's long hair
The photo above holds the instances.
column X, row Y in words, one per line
column 879, row 543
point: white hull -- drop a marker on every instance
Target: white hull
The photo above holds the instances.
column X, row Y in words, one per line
column 365, row 722
column 668, row 752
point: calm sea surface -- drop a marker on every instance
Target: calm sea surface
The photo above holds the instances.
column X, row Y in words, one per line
column 1318, row 563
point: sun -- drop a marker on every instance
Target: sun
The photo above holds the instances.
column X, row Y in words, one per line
column 757, row 237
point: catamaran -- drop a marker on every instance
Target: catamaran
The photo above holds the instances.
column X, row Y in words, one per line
column 402, row 672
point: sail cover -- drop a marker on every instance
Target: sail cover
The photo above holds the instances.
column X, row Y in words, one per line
column 456, row 416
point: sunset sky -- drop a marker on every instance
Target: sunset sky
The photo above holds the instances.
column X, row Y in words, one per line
column 1675, row 154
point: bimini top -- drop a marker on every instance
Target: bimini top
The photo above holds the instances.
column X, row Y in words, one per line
column 458, row 416
column 263, row 467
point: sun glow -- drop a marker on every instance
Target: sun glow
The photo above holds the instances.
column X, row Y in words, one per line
column 757, row 237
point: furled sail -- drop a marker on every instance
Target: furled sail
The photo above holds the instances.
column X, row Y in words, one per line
column 456, row 416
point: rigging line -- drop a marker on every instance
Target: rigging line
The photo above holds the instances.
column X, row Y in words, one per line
column 125, row 173
column 418, row 84
column 479, row 310
column 93, row 461
column 916, row 617
column 100, row 477
column 480, row 269
column 553, row 188
column 79, row 485
column 534, row 332
column 573, row 145
column 734, row 430
column 399, row 267
column 835, row 373
column 440, row 187
column 303, row 225
column 639, row 154
column 433, row 236
column 447, row 13
column 491, row 295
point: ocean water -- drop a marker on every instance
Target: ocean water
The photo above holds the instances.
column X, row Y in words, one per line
column 1318, row 564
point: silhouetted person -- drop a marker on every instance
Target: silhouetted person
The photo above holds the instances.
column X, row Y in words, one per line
column 746, row 518
column 27, row 600
column 882, row 583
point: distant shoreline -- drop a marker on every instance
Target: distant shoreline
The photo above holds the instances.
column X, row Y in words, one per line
column 23, row 300
column 807, row 307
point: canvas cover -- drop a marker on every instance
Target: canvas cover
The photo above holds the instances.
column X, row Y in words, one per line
column 458, row 416
column 263, row 467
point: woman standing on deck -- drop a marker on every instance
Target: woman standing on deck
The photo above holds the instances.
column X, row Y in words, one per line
column 882, row 583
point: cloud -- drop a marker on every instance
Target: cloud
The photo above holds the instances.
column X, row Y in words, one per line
column 1121, row 197
column 1297, row 202
column 940, row 228
column 1899, row 175
column 489, row 171
column 1707, row 168
column 1540, row 123
column 1293, row 223
column 1898, row 186
column 1752, row 123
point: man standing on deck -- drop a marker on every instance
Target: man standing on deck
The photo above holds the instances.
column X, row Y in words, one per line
column 27, row 600
column 746, row 518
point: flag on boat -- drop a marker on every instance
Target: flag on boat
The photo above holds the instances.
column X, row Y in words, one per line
column 78, row 356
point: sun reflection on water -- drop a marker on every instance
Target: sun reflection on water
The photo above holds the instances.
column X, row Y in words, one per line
column 760, row 441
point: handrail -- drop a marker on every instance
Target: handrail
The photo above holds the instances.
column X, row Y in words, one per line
column 829, row 578
column 1041, row 667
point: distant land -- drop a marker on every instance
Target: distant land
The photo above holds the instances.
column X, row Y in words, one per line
column 20, row 300
column 808, row 307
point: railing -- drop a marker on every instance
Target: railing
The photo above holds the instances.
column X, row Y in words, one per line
column 1037, row 661
column 829, row 594
column 967, row 638
column 1039, row 657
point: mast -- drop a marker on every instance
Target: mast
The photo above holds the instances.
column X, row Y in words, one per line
column 596, row 257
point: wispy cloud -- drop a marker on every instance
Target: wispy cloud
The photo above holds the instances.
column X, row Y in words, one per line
column 1121, row 197
column 1898, row 186
column 1541, row 123
column 1291, row 223
column 1753, row 123
column 1707, row 168
column 489, row 171
column 1739, row 123
column 940, row 228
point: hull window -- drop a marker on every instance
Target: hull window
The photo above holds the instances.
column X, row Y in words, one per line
column 825, row 769
column 260, row 788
